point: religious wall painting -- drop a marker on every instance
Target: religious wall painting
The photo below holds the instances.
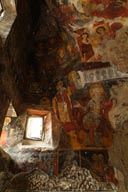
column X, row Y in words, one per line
column 67, row 53
column 91, row 36
column 103, row 8
column 117, row 50
column 62, row 103
column 62, row 106
column 85, row 47
column 34, row 159
column 100, row 36
column 93, row 42
column 68, row 158
column 114, row 9
column 95, row 122
column 67, row 56
column 50, row 163
column 69, row 15
column 98, row 164
column 84, row 114
column 66, row 163
column 64, row 13
column 118, row 115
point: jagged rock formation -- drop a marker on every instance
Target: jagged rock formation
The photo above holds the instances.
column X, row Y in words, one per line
column 71, row 179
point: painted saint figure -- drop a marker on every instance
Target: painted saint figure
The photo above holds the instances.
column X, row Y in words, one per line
column 62, row 103
column 86, row 48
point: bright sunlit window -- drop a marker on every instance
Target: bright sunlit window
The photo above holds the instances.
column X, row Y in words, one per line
column 34, row 128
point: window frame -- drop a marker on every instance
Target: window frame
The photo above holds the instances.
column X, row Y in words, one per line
column 35, row 113
column 26, row 128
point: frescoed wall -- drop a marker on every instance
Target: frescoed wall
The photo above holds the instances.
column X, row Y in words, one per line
column 97, row 31
column 86, row 110
column 62, row 170
column 79, row 70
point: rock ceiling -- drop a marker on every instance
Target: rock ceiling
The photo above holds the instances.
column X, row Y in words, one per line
column 7, row 17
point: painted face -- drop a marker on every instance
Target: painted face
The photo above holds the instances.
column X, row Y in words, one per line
column 61, row 53
column 69, row 48
column 59, row 85
column 114, row 102
column 85, row 37
column 85, row 6
column 101, row 30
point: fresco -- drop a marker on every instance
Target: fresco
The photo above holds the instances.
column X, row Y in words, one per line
column 118, row 115
column 119, row 120
column 83, row 100
column 86, row 109
column 72, row 178
column 48, row 162
column 97, row 31
column 63, row 165
column 68, row 158
column 100, row 168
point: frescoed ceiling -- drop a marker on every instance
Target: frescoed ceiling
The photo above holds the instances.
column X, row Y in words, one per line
column 71, row 34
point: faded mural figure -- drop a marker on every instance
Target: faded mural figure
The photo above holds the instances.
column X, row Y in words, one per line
column 112, row 111
column 78, row 114
column 86, row 48
column 97, row 165
column 75, row 81
column 62, row 103
column 92, row 43
column 117, row 50
column 100, row 168
column 91, row 119
column 112, row 9
column 100, row 37
column 119, row 111
column 71, row 51
column 61, row 57
column 94, row 119
column 67, row 55
column 69, row 160
column 118, row 117
column 62, row 106
column 105, row 126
